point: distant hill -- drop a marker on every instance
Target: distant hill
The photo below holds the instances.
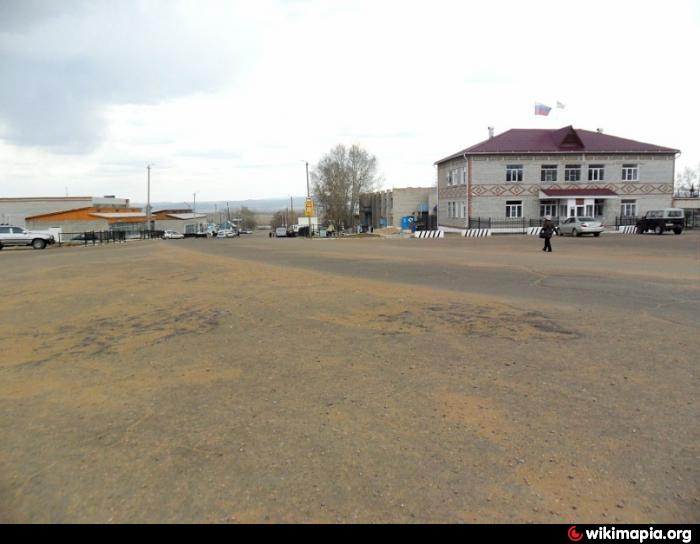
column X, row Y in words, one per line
column 263, row 205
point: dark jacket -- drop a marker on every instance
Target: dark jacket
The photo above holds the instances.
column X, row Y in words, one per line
column 548, row 228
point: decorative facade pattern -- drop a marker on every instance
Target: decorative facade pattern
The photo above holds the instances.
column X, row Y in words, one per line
column 515, row 190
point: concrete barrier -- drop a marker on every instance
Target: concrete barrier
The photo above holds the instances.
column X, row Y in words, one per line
column 535, row 231
column 477, row 233
column 627, row 229
column 433, row 234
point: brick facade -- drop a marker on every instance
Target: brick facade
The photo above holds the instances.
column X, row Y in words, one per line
column 486, row 192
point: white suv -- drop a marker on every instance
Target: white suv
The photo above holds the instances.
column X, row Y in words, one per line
column 17, row 236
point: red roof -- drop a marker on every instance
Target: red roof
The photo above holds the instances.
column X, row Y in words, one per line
column 563, row 140
column 579, row 192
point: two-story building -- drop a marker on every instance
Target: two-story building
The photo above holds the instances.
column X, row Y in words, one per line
column 387, row 208
column 532, row 173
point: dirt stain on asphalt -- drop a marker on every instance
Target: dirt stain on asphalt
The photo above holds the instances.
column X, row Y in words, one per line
column 191, row 387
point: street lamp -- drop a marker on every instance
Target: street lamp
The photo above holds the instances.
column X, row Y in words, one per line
column 148, row 199
column 308, row 195
column 308, row 186
column 194, row 211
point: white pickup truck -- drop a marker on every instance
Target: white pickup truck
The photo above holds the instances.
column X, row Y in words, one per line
column 18, row 236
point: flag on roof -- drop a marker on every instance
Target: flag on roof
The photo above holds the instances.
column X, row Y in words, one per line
column 561, row 106
column 541, row 109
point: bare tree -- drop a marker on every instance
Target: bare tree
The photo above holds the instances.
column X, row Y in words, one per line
column 284, row 218
column 248, row 217
column 687, row 181
column 340, row 177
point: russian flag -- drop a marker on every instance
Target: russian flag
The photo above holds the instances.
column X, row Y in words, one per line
column 541, row 109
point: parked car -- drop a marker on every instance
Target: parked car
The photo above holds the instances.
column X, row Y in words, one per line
column 281, row 232
column 578, row 226
column 660, row 221
column 172, row 235
column 246, row 231
column 18, row 236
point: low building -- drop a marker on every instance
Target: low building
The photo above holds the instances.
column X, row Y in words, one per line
column 98, row 219
column 532, row 173
column 387, row 208
column 691, row 206
column 183, row 221
column 14, row 211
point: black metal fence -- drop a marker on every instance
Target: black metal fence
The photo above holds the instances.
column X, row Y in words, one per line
column 522, row 224
column 107, row 237
column 512, row 224
column 692, row 219
column 626, row 221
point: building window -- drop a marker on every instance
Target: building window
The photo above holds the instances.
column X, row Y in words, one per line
column 629, row 208
column 572, row 173
column 514, row 173
column 457, row 176
column 548, row 207
column 596, row 172
column 464, row 209
column 599, row 206
column 514, row 208
column 549, row 173
column 630, row 172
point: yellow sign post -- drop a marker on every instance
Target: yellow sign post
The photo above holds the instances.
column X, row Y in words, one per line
column 309, row 208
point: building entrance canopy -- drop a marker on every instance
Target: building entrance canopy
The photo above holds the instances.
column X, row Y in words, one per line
column 567, row 194
column 575, row 202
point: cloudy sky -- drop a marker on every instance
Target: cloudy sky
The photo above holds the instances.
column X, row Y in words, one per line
column 228, row 98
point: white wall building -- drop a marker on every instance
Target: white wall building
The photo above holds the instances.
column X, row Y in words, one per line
column 14, row 211
column 531, row 173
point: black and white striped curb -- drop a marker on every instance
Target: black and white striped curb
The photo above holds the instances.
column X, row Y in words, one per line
column 429, row 234
column 627, row 229
column 477, row 233
column 535, row 231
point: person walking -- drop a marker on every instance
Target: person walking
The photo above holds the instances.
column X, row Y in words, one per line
column 548, row 230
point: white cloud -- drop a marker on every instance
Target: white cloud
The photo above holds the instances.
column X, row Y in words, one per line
column 227, row 98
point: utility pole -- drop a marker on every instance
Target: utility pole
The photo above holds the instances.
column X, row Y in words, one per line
column 194, row 211
column 148, row 199
column 308, row 197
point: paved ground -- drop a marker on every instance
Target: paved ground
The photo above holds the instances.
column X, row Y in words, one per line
column 352, row 380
